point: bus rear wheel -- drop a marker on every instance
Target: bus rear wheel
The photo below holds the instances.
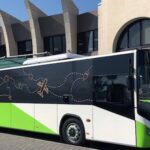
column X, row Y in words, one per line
column 73, row 132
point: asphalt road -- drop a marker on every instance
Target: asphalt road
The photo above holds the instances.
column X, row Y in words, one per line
column 19, row 140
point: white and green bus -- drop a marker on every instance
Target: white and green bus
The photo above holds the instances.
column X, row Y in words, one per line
column 98, row 98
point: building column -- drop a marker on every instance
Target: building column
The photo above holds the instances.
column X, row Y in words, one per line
column 6, row 21
column 34, row 14
column 70, row 13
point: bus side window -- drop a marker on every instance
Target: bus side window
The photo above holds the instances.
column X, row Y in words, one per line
column 112, row 89
column 100, row 89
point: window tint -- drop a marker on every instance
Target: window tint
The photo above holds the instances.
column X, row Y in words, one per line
column 146, row 32
column 63, row 44
column 134, row 35
column 25, row 47
column 55, row 44
column 2, row 50
column 112, row 89
column 95, row 40
column 81, row 44
column 87, row 42
column 50, row 44
column 123, row 43
column 0, row 39
column 28, row 46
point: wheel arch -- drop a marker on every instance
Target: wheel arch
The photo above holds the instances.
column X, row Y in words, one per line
column 66, row 117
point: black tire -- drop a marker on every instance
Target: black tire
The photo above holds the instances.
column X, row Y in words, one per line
column 73, row 132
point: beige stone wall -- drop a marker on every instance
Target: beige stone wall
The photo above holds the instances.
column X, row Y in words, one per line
column 114, row 16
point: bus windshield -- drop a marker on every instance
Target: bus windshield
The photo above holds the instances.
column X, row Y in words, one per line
column 144, row 83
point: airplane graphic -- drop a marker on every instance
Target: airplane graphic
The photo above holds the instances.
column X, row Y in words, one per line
column 42, row 88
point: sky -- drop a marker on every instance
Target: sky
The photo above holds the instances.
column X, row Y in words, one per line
column 50, row 7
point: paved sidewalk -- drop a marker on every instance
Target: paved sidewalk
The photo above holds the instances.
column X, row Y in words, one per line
column 16, row 142
column 20, row 140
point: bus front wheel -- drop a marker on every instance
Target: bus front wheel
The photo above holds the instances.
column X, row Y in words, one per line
column 73, row 132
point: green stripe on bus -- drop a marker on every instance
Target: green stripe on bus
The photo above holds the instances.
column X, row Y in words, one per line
column 143, row 139
column 145, row 101
column 13, row 117
column 5, row 115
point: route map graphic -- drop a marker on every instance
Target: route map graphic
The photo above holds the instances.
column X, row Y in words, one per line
column 42, row 88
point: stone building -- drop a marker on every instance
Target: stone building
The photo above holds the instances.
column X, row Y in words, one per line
column 116, row 25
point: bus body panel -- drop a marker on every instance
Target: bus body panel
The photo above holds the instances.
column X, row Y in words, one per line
column 113, row 128
column 47, row 115
column 30, row 117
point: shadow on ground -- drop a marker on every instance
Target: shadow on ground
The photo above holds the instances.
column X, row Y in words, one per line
column 89, row 144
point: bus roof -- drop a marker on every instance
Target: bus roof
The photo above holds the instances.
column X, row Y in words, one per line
column 52, row 58
column 11, row 62
column 19, row 62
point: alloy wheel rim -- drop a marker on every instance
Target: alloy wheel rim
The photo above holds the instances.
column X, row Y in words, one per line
column 73, row 132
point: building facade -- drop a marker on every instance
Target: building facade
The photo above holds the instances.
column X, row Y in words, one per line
column 116, row 25
column 123, row 25
column 60, row 33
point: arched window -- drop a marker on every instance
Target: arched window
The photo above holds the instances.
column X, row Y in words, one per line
column 136, row 35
